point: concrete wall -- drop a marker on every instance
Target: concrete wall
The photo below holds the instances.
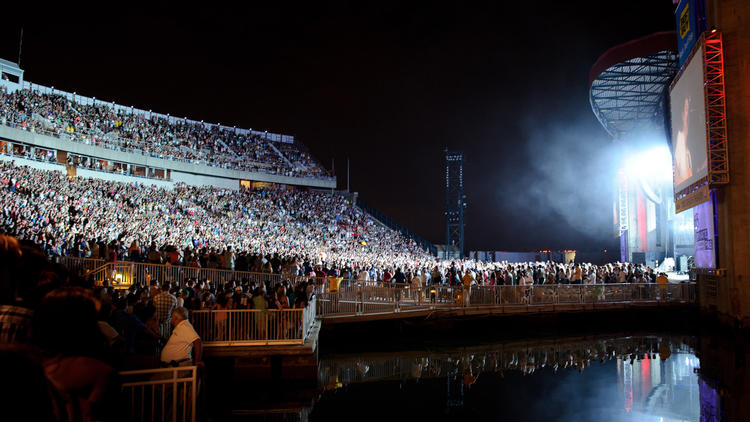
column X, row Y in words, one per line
column 33, row 163
column 203, row 180
column 732, row 303
column 159, row 163
column 116, row 177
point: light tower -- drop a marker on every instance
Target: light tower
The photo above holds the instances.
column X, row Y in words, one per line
column 454, row 202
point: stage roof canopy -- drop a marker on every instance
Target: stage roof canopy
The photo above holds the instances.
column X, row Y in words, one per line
column 628, row 83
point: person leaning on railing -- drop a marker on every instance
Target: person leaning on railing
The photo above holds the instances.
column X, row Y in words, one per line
column 184, row 347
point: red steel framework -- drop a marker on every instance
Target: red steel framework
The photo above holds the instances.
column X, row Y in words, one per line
column 716, row 125
column 716, row 115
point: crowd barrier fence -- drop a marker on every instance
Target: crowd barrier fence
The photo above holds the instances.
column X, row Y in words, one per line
column 163, row 394
column 357, row 298
column 123, row 274
column 254, row 327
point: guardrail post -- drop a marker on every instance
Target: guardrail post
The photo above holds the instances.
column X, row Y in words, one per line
column 361, row 302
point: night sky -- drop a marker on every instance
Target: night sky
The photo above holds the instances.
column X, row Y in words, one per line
column 389, row 87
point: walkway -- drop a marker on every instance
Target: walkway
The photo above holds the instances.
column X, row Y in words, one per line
column 361, row 301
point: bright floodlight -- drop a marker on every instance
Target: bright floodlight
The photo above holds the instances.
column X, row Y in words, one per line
column 653, row 164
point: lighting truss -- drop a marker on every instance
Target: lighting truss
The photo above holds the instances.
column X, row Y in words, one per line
column 716, row 116
column 630, row 94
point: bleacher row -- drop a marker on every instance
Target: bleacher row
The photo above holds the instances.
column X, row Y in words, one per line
column 112, row 126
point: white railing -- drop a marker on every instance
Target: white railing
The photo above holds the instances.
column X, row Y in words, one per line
column 167, row 394
column 308, row 318
column 361, row 297
column 254, row 327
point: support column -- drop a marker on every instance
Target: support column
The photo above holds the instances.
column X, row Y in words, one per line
column 733, row 200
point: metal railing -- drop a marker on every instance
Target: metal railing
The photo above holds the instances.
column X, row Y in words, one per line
column 359, row 298
column 123, row 274
column 254, row 327
column 165, row 394
column 80, row 266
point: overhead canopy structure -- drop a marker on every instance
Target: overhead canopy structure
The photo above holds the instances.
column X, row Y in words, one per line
column 627, row 84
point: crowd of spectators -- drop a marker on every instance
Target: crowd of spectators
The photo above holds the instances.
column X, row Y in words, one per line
column 107, row 126
column 263, row 231
column 526, row 274
column 58, row 362
column 67, row 339
column 279, row 231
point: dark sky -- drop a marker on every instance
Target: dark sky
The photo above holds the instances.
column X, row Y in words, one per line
column 388, row 85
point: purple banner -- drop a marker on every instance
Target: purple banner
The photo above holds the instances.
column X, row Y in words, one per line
column 703, row 218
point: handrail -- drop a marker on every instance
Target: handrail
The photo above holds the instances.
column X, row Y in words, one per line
column 123, row 274
column 254, row 327
column 359, row 298
column 79, row 265
column 161, row 394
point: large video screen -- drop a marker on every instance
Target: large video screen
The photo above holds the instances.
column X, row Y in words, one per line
column 687, row 104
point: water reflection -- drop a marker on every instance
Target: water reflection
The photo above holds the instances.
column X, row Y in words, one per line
column 621, row 378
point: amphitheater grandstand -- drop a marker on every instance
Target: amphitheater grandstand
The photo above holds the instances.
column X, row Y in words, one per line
column 82, row 132
column 48, row 134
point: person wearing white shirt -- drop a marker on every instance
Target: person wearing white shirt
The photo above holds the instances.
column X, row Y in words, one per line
column 363, row 275
column 184, row 346
column 592, row 277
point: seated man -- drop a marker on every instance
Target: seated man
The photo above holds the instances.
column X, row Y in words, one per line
column 184, row 346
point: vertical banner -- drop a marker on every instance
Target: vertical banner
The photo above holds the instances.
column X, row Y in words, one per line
column 686, row 30
column 703, row 221
column 690, row 17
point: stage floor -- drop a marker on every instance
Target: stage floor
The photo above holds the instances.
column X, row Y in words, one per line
column 677, row 277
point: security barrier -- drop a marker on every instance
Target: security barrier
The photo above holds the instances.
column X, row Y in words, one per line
column 165, row 394
column 254, row 327
column 358, row 298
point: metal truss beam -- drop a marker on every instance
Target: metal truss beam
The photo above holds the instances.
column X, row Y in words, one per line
column 630, row 94
column 716, row 115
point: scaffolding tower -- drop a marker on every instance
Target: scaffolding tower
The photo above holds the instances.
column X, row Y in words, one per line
column 454, row 201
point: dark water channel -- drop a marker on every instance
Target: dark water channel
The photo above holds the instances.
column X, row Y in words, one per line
column 599, row 378
column 620, row 376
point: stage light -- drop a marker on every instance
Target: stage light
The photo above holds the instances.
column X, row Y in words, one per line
column 653, row 164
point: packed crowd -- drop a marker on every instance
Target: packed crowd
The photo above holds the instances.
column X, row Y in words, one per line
column 260, row 230
column 277, row 231
column 62, row 341
column 65, row 339
column 525, row 274
column 106, row 126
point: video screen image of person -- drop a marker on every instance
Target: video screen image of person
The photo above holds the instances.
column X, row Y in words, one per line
column 683, row 164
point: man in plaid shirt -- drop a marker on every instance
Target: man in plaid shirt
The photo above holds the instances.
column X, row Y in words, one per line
column 164, row 303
